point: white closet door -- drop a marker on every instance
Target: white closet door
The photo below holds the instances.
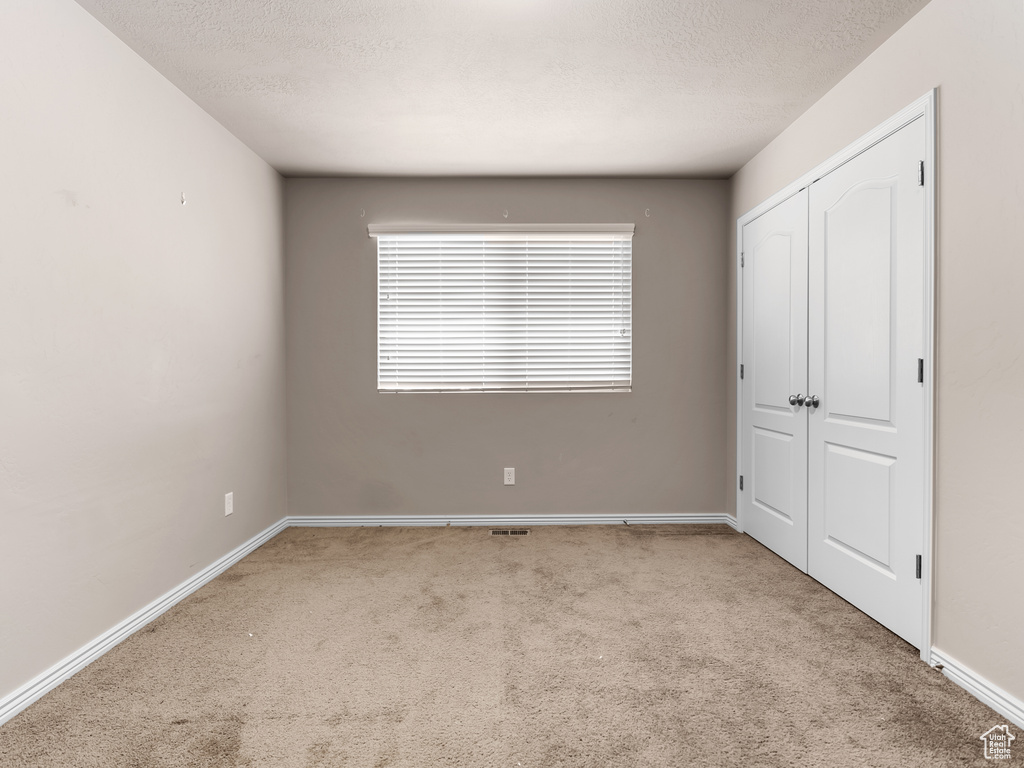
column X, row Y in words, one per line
column 774, row 431
column 866, row 333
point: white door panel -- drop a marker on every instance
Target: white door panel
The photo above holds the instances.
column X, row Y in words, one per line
column 858, row 271
column 865, row 335
column 774, row 502
column 774, row 461
column 858, row 504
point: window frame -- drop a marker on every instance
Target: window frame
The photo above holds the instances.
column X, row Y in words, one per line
column 575, row 233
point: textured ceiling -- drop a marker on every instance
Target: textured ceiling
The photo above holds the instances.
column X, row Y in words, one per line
column 504, row 87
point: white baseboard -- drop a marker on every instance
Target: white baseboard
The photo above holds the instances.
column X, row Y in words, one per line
column 22, row 697
column 373, row 521
column 1002, row 702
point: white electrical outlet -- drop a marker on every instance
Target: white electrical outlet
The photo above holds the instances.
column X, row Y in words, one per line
column 510, row 475
column 229, row 503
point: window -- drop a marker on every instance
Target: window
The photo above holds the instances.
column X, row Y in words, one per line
column 536, row 308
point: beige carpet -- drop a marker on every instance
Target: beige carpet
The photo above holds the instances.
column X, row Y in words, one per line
column 584, row 646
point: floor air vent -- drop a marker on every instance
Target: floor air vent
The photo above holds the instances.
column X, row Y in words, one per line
column 508, row 532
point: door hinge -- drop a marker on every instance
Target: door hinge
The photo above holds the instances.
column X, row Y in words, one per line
column 741, row 370
column 742, row 260
column 919, row 566
column 920, row 370
column 741, row 482
column 920, row 174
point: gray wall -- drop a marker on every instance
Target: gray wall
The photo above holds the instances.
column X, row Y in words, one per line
column 353, row 451
column 141, row 341
column 974, row 52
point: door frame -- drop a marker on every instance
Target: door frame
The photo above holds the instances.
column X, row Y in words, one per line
column 923, row 107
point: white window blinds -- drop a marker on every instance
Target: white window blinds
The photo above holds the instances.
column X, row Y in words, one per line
column 504, row 309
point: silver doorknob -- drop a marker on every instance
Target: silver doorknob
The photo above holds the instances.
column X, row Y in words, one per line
column 796, row 400
column 812, row 401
